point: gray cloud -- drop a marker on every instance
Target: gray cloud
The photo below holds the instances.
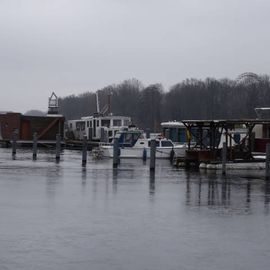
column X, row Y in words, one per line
column 75, row 46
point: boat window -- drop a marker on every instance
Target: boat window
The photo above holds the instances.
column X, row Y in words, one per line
column 126, row 122
column 80, row 125
column 105, row 123
column 166, row 144
column 128, row 139
column 87, row 123
column 97, row 123
column 157, row 143
column 90, row 124
column 117, row 122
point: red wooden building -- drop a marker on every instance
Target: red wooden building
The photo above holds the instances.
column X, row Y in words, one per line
column 25, row 126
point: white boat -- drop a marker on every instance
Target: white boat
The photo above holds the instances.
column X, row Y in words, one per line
column 134, row 144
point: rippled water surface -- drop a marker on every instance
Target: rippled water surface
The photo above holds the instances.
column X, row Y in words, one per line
column 62, row 216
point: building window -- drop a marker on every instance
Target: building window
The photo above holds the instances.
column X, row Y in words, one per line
column 117, row 122
column 105, row 123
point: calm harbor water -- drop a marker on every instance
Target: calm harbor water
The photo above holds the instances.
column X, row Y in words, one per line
column 62, row 216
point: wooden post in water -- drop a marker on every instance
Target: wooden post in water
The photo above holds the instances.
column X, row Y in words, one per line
column 224, row 157
column 144, row 156
column 34, row 146
column 84, row 151
column 58, row 147
column 147, row 131
column 115, row 152
column 152, row 155
column 267, row 160
column 14, row 144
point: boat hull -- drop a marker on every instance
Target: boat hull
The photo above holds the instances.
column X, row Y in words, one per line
column 138, row 152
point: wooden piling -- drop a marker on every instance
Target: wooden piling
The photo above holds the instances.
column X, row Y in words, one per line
column 58, row 147
column 115, row 153
column 84, row 150
column 144, row 156
column 224, row 157
column 152, row 155
column 34, row 146
column 14, row 144
column 267, row 160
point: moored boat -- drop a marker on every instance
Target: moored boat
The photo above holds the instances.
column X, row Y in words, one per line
column 134, row 144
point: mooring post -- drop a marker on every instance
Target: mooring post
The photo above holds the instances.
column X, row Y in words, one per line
column 58, row 147
column 152, row 155
column 144, row 156
column 34, row 146
column 267, row 160
column 224, row 157
column 115, row 152
column 14, row 144
column 84, row 150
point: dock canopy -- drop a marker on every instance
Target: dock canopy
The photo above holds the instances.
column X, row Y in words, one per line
column 210, row 135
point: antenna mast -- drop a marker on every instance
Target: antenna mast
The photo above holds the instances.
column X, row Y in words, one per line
column 97, row 101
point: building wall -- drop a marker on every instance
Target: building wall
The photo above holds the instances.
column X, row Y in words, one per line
column 9, row 122
column 46, row 126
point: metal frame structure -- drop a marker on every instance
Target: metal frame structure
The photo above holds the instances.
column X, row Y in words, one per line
column 211, row 131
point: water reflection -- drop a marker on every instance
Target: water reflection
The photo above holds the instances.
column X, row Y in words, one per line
column 152, row 183
column 188, row 192
column 233, row 193
column 266, row 196
column 53, row 176
column 114, row 181
column 213, row 192
column 225, row 191
column 84, row 175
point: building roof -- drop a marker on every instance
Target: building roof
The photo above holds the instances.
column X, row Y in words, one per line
column 227, row 121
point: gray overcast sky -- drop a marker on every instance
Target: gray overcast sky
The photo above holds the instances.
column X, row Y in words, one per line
column 73, row 46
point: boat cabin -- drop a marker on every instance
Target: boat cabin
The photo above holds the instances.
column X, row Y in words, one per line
column 96, row 127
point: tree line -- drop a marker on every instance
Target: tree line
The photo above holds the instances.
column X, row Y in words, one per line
column 191, row 99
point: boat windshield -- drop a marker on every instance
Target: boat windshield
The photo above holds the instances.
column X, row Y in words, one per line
column 128, row 139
